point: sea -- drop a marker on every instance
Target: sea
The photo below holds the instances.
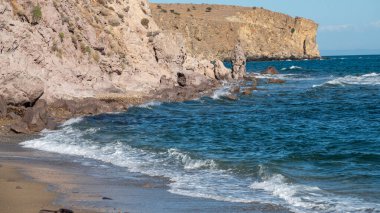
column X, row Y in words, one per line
column 311, row 144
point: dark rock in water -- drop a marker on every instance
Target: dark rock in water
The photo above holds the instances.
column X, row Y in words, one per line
column 3, row 107
column 247, row 92
column 275, row 81
column 270, row 71
column 235, row 89
column 181, row 79
column 20, row 127
column 232, row 97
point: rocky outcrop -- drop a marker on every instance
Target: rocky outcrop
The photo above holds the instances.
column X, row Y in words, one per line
column 76, row 49
column 88, row 57
column 35, row 119
column 238, row 62
column 270, row 71
column 212, row 31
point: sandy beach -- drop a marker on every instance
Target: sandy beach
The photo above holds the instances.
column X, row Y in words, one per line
column 30, row 187
column 18, row 194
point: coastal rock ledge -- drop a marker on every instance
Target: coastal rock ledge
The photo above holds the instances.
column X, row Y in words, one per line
column 213, row 30
column 61, row 59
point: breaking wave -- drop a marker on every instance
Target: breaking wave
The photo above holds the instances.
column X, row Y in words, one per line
column 292, row 68
column 366, row 79
column 196, row 177
column 150, row 104
column 221, row 92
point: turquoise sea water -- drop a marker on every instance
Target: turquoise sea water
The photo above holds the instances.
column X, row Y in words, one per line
column 309, row 145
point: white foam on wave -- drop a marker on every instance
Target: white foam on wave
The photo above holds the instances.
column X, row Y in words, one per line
column 150, row 104
column 221, row 92
column 72, row 121
column 303, row 198
column 366, row 79
column 290, row 77
column 190, row 163
column 196, row 177
column 293, row 67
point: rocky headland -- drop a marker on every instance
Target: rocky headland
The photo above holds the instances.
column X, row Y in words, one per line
column 212, row 31
column 87, row 57
column 60, row 59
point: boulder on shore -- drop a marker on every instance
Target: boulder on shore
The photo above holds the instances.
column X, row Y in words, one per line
column 35, row 119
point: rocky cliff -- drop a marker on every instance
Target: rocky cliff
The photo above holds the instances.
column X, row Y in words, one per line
column 91, row 48
column 69, row 57
column 212, row 31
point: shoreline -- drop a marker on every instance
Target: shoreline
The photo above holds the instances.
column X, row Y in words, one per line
column 77, row 184
column 23, row 187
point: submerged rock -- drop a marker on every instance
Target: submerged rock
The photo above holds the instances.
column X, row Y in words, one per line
column 232, row 97
column 270, row 71
column 275, row 81
column 247, row 92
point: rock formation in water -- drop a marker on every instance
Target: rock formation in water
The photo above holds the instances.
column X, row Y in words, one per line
column 212, row 31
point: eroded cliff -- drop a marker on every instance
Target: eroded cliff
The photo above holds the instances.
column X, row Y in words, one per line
column 213, row 30
column 91, row 48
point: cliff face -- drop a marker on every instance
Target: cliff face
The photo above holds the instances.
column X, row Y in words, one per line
column 213, row 30
column 89, row 48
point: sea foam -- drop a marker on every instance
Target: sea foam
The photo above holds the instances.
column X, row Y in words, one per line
column 366, row 79
column 221, row 92
column 194, row 176
column 150, row 104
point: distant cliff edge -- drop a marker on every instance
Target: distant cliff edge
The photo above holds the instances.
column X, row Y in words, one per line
column 211, row 31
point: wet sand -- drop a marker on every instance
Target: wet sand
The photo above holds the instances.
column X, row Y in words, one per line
column 26, row 187
column 18, row 194
column 86, row 185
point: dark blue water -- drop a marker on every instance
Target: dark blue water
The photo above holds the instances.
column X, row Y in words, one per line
column 309, row 145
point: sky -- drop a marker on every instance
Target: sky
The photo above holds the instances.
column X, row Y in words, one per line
column 345, row 26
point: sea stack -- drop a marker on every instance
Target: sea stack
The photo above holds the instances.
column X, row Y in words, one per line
column 239, row 62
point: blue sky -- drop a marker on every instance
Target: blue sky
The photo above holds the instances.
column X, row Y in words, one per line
column 349, row 25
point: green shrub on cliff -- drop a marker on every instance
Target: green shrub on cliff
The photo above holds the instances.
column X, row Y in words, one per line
column 292, row 30
column 36, row 14
column 145, row 22
column 61, row 36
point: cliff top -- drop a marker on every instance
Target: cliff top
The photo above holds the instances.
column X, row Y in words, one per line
column 215, row 12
